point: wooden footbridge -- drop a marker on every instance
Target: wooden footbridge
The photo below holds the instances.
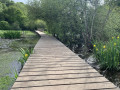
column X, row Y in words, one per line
column 55, row 67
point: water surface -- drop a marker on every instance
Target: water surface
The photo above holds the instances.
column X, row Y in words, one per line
column 9, row 53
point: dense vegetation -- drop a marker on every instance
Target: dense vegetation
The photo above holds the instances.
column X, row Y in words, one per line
column 85, row 25
column 11, row 35
column 79, row 23
column 6, row 82
column 15, row 22
column 15, row 16
column 108, row 54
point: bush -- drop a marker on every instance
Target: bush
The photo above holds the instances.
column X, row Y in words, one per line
column 37, row 24
column 11, row 35
column 108, row 54
column 40, row 24
column 4, row 25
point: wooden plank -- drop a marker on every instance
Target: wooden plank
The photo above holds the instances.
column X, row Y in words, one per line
column 54, row 67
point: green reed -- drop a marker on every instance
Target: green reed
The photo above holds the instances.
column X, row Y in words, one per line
column 108, row 54
column 25, row 54
column 11, row 35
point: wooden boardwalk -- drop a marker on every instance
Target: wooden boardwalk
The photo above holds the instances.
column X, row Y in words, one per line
column 54, row 67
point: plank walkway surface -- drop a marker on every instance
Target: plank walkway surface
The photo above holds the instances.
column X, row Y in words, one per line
column 54, row 67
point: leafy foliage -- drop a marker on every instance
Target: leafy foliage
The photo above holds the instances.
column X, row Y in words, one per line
column 11, row 35
column 25, row 54
column 16, row 14
column 77, row 22
column 108, row 54
column 4, row 25
column 40, row 24
column 16, row 74
column 37, row 24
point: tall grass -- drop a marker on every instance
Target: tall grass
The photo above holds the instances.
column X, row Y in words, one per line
column 11, row 35
column 25, row 54
column 108, row 54
column 15, row 74
column 5, row 82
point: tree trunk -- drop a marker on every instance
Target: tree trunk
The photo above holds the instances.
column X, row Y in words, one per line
column 93, row 18
column 107, row 17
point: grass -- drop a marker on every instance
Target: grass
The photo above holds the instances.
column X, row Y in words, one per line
column 5, row 82
column 23, row 33
column 11, row 35
column 108, row 54
column 16, row 74
column 28, row 33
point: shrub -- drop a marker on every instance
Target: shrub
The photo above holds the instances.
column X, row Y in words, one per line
column 11, row 35
column 108, row 54
column 40, row 24
column 37, row 24
column 4, row 25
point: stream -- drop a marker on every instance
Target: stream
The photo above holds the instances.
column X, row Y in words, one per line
column 9, row 54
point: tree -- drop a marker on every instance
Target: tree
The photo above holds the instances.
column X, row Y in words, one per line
column 22, row 7
column 2, row 7
column 4, row 1
column 13, row 14
column 40, row 24
column 7, row 2
column 16, row 14
column 75, row 22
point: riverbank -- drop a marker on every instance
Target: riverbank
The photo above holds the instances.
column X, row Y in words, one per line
column 10, row 55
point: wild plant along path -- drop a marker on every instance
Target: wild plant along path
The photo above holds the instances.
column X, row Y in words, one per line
column 55, row 67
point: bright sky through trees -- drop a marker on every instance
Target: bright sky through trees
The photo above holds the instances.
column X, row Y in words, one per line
column 24, row 1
